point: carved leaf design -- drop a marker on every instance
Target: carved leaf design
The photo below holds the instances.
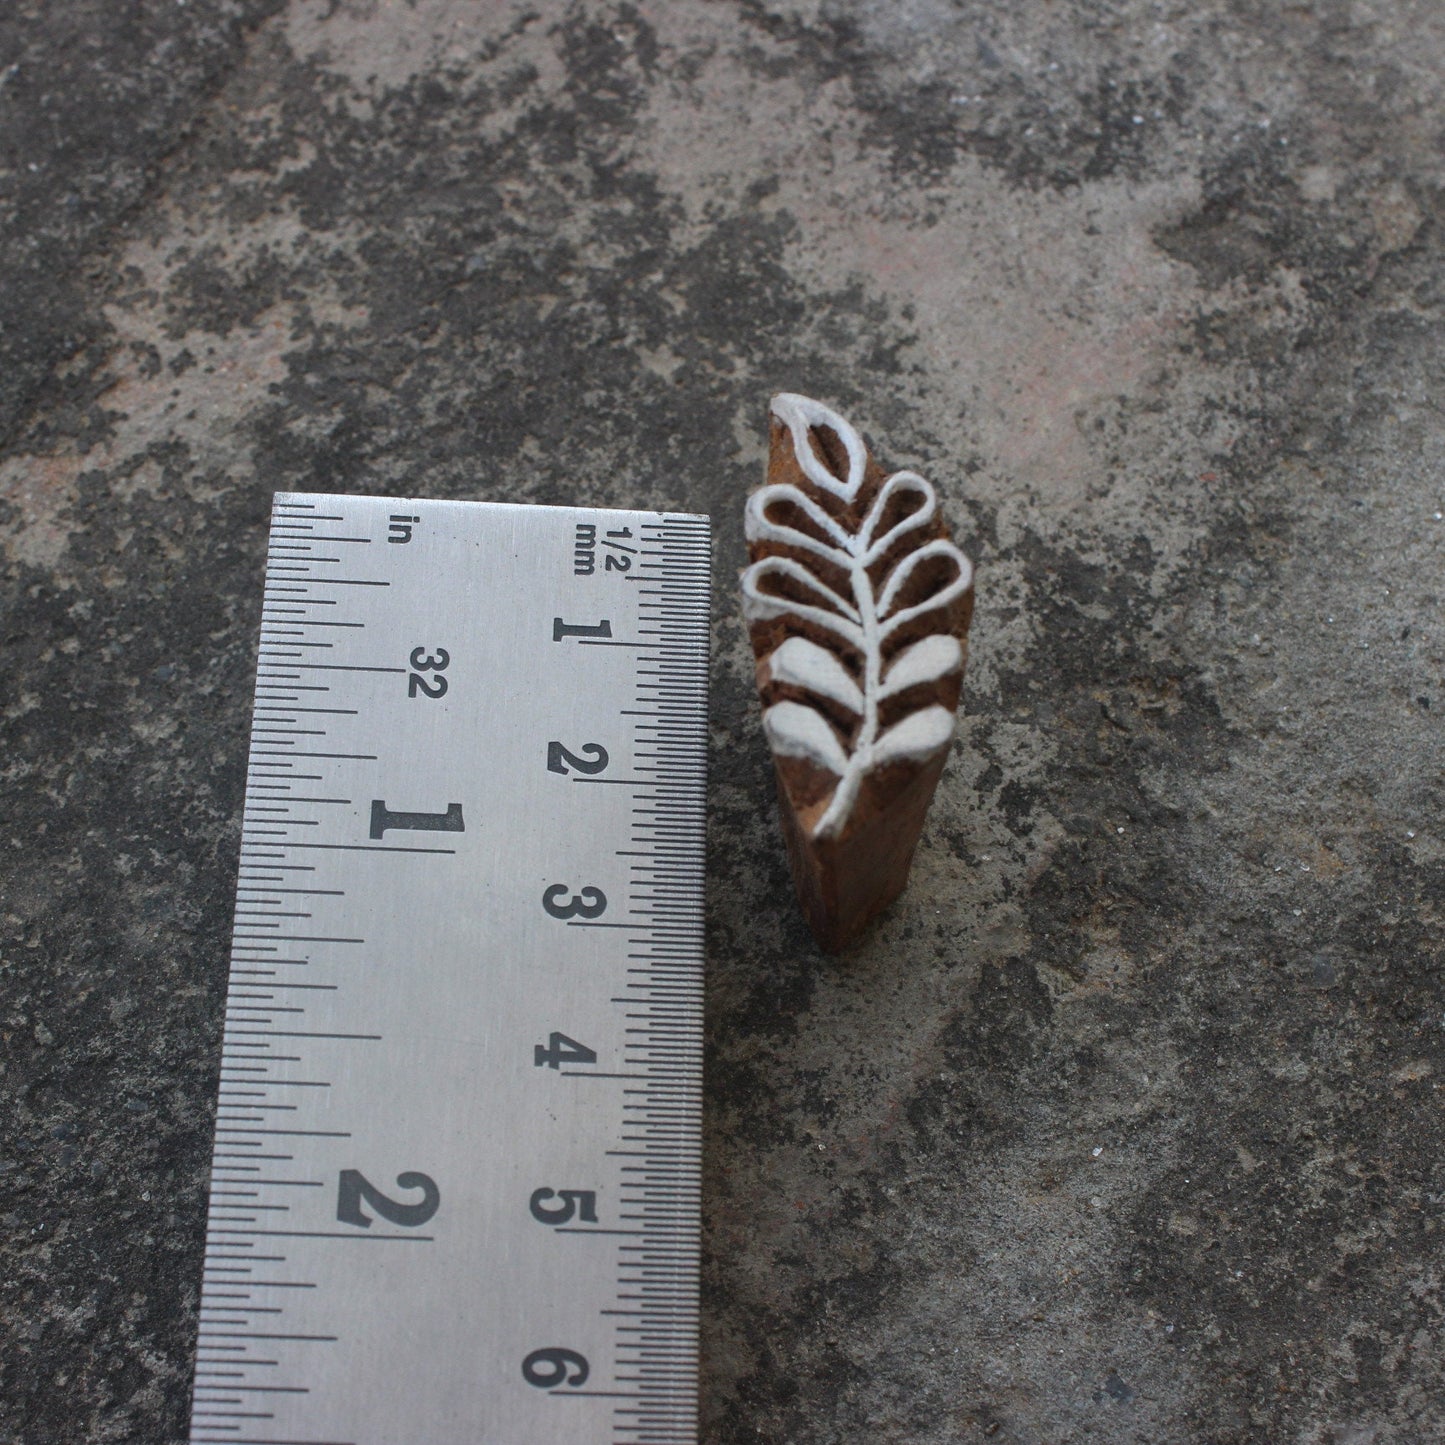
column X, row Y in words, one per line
column 796, row 731
column 919, row 734
column 845, row 581
column 926, row 661
column 804, row 664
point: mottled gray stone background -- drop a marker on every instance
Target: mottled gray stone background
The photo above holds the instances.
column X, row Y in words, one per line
column 1126, row 1123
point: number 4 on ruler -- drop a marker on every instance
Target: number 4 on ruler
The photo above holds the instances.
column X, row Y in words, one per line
column 559, row 1050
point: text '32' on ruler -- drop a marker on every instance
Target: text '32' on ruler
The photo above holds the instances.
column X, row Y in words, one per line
column 455, row 1185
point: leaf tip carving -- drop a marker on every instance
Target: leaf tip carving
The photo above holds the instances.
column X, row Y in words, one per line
column 804, row 417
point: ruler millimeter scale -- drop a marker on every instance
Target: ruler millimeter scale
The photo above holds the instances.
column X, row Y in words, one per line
column 454, row 1192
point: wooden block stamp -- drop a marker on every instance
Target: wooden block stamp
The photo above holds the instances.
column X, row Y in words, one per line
column 858, row 607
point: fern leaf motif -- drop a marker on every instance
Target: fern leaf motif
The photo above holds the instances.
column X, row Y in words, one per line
column 857, row 603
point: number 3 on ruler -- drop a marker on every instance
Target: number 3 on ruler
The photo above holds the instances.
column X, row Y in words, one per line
column 586, row 903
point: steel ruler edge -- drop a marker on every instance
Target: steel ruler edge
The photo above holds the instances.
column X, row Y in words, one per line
column 455, row 1184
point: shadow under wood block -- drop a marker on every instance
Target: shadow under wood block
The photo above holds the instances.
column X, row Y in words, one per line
column 858, row 607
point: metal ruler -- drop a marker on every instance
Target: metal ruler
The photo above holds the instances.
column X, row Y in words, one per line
column 455, row 1186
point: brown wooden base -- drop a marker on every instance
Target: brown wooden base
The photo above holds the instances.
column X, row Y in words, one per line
column 844, row 882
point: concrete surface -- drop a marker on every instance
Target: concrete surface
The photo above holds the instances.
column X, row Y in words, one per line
column 1125, row 1125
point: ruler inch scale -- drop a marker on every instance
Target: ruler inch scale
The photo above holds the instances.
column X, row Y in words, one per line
column 463, row 1028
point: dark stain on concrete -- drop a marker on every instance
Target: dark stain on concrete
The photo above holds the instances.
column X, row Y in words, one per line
column 94, row 101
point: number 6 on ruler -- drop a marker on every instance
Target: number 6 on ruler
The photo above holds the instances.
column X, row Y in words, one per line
column 546, row 1369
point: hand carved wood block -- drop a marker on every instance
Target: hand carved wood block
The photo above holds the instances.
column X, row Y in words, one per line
column 858, row 607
